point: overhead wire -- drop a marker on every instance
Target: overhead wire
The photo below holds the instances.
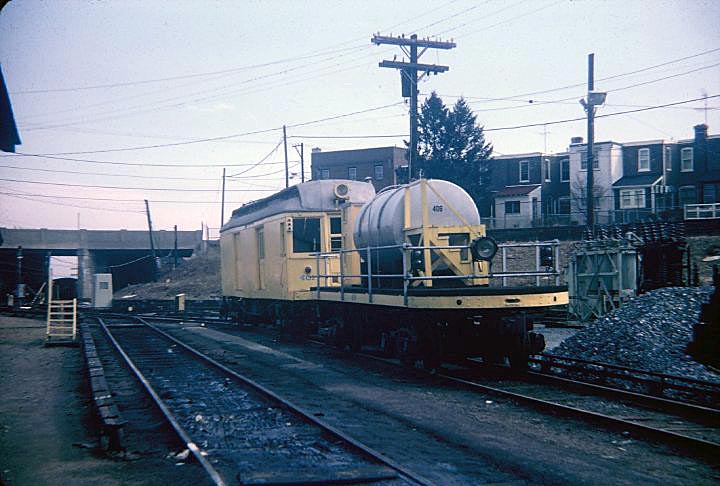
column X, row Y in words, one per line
column 214, row 139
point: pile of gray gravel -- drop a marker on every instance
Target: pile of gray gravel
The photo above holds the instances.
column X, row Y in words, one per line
column 651, row 332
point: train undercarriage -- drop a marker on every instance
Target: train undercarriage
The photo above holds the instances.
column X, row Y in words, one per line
column 418, row 337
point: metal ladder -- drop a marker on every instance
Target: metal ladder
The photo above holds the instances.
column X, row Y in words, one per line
column 61, row 319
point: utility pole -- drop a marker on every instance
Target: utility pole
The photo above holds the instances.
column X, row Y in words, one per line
column 222, row 204
column 19, row 290
column 594, row 98
column 409, row 77
column 175, row 253
column 287, row 175
column 302, row 160
column 152, row 243
column 591, row 136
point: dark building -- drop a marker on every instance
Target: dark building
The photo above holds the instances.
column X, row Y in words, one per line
column 529, row 190
column 379, row 164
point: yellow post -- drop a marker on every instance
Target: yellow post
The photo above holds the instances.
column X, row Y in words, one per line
column 425, row 231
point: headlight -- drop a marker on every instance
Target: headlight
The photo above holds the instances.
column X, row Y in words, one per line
column 483, row 248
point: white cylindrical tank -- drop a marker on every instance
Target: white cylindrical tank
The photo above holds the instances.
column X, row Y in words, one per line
column 381, row 221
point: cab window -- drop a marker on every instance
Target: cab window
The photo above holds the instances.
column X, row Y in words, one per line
column 306, row 235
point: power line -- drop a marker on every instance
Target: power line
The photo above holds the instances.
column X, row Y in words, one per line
column 161, row 105
column 252, row 66
column 186, row 76
column 614, row 76
column 57, row 203
column 224, row 137
column 63, row 184
column 134, row 164
column 274, row 149
column 568, row 120
column 139, row 201
column 348, row 136
column 105, row 174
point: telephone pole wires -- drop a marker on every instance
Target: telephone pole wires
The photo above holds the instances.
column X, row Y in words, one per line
column 287, row 175
column 152, row 242
column 222, row 203
column 409, row 77
column 302, row 160
column 594, row 98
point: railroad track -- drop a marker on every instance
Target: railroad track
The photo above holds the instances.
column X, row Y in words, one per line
column 691, row 427
column 239, row 431
column 673, row 387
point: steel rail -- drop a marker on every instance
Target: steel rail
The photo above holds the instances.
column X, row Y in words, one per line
column 403, row 473
column 697, row 446
column 690, row 410
column 307, row 415
column 550, row 360
column 708, row 449
column 184, row 436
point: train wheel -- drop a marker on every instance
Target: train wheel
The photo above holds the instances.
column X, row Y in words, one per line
column 356, row 338
column 520, row 354
column 405, row 342
column 431, row 348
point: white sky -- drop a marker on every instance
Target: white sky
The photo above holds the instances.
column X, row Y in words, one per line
column 240, row 67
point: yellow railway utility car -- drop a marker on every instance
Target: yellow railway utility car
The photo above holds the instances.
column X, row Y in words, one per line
column 407, row 270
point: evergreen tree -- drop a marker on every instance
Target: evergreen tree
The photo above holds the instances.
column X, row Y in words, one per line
column 451, row 146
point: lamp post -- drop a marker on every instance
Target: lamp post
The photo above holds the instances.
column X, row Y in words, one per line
column 594, row 98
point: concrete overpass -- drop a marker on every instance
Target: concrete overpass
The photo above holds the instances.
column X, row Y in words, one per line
column 123, row 253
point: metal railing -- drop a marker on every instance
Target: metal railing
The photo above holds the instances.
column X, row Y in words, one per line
column 407, row 276
column 702, row 211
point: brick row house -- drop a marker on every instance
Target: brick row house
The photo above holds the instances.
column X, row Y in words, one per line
column 652, row 179
column 633, row 181
column 529, row 190
column 378, row 164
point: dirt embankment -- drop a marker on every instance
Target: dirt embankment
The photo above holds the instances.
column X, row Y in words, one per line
column 198, row 277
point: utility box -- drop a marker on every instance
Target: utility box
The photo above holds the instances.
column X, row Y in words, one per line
column 180, row 302
column 601, row 276
column 102, row 294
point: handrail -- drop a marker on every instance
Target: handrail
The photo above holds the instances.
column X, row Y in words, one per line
column 702, row 211
column 408, row 278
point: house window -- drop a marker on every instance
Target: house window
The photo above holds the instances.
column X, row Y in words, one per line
column 306, row 235
column 711, row 192
column 379, row 172
column 524, row 171
column 687, row 195
column 643, row 160
column 632, row 198
column 352, row 173
column 335, row 233
column 546, row 170
column 583, row 161
column 563, row 205
column 512, row 207
column 324, row 173
column 686, row 159
column 564, row 170
column 668, row 159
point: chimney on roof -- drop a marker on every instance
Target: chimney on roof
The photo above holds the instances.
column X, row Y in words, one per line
column 575, row 140
column 316, row 150
column 700, row 153
column 701, row 131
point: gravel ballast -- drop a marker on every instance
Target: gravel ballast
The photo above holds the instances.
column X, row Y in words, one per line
column 651, row 332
